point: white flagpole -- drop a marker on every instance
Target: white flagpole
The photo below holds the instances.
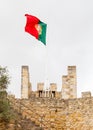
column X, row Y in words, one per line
column 46, row 84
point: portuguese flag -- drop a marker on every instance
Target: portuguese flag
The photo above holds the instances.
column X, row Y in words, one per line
column 36, row 28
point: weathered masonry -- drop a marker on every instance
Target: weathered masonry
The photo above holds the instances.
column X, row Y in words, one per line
column 57, row 114
column 69, row 84
column 54, row 110
column 25, row 83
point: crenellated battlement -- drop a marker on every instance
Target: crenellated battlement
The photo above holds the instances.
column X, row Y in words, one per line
column 68, row 91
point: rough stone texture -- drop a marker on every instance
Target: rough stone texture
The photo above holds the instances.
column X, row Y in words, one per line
column 57, row 114
column 25, row 83
column 69, row 90
column 40, row 86
column 53, row 90
column 40, row 90
column 53, row 87
column 86, row 94
column 19, row 124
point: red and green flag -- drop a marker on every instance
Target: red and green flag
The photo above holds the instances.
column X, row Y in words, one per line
column 36, row 28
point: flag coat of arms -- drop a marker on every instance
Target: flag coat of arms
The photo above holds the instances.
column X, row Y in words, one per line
column 36, row 28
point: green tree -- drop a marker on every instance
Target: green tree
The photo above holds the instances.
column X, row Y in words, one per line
column 4, row 78
column 4, row 104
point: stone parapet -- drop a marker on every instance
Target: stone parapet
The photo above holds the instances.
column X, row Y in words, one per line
column 86, row 94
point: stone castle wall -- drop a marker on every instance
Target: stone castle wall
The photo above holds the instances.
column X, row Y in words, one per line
column 57, row 114
column 54, row 110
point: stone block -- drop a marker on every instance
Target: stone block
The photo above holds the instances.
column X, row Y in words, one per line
column 86, row 94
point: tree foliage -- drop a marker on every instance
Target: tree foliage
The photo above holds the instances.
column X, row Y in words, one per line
column 4, row 78
column 4, row 104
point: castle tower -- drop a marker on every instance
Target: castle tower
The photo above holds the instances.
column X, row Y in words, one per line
column 69, row 83
column 25, row 83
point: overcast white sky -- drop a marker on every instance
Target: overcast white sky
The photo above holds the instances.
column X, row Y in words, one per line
column 69, row 41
